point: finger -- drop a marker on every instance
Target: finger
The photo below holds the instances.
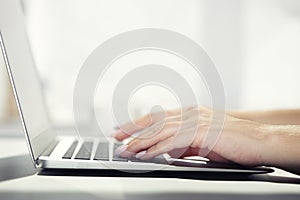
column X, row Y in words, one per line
column 128, row 129
column 132, row 127
column 169, row 123
column 161, row 147
column 154, row 134
column 141, row 143
column 142, row 123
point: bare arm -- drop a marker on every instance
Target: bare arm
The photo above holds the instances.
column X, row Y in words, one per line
column 282, row 136
column 282, row 147
column 244, row 139
column 279, row 117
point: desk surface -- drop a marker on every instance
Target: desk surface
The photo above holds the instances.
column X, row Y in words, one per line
column 24, row 183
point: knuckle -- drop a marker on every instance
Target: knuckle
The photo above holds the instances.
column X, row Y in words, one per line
column 167, row 124
column 145, row 120
column 170, row 124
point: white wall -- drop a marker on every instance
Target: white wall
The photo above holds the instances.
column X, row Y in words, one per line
column 255, row 44
column 271, row 60
column 63, row 33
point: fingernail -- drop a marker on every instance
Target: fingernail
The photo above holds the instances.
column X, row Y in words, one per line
column 140, row 154
column 121, row 149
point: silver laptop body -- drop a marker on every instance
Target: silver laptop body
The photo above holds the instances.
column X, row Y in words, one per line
column 47, row 150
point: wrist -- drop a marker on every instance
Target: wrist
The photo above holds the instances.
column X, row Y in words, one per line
column 275, row 149
column 268, row 143
column 281, row 147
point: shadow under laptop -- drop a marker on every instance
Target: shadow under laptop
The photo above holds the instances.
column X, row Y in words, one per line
column 145, row 196
column 212, row 176
column 152, row 174
column 16, row 167
column 21, row 166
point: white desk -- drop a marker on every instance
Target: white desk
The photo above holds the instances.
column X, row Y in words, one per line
column 25, row 186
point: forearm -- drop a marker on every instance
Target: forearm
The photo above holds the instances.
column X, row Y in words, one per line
column 276, row 117
column 281, row 147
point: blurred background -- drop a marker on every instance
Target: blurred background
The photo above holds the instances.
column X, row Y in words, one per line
column 254, row 44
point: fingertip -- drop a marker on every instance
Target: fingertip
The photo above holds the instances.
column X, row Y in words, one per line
column 140, row 154
column 118, row 138
column 114, row 135
column 146, row 155
column 121, row 149
column 126, row 153
column 119, row 135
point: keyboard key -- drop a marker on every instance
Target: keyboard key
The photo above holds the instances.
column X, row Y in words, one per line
column 102, row 152
column 70, row 151
column 117, row 157
column 85, row 150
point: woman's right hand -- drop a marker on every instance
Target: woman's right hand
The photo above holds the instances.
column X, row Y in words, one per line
column 240, row 141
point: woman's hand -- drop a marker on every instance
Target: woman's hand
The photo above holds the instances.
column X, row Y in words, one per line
column 190, row 132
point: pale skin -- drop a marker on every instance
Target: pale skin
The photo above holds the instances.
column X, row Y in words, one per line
column 250, row 138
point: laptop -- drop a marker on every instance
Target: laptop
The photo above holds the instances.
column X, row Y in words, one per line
column 50, row 151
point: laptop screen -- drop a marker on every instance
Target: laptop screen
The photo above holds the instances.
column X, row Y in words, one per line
column 27, row 88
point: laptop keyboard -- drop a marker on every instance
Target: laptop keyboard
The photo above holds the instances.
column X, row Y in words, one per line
column 70, row 152
column 115, row 156
column 85, row 151
column 102, row 153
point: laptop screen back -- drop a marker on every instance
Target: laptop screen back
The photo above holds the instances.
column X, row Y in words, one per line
column 24, row 79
